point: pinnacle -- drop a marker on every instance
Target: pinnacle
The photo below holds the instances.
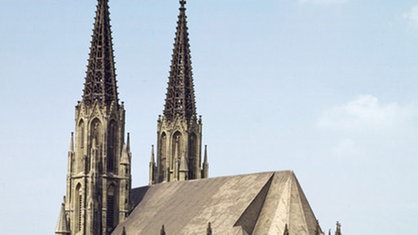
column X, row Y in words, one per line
column 62, row 226
column 72, row 142
column 182, row 4
column 152, row 155
column 205, row 157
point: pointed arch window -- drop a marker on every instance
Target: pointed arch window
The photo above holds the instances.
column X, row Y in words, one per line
column 111, row 208
column 95, row 132
column 81, row 131
column 78, row 207
column 175, row 148
column 111, row 145
column 192, row 158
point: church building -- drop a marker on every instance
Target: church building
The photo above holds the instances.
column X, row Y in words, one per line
column 180, row 198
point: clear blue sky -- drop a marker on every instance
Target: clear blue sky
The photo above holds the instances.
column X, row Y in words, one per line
column 327, row 88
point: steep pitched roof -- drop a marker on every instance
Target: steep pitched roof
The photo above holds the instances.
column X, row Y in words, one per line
column 262, row 203
column 100, row 81
column 180, row 98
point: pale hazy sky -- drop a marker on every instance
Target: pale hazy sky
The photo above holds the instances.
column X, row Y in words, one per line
column 327, row 88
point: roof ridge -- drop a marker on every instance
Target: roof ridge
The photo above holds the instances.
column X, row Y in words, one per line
column 187, row 207
column 247, row 220
column 217, row 177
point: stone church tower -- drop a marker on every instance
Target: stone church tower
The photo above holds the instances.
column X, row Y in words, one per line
column 99, row 161
column 99, row 196
column 179, row 140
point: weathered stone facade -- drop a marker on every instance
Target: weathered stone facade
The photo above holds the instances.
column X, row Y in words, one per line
column 99, row 160
column 179, row 200
column 98, row 179
column 178, row 150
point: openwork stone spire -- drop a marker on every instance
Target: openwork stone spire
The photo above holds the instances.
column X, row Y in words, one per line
column 179, row 130
column 99, row 160
column 100, row 82
column 180, row 99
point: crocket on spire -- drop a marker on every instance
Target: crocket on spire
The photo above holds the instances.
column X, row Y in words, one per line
column 180, row 98
column 179, row 130
column 100, row 81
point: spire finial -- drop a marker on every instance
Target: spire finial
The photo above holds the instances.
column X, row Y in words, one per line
column 183, row 3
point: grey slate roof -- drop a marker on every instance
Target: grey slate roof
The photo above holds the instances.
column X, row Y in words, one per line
column 261, row 203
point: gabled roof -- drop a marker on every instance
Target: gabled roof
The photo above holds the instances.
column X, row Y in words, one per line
column 100, row 84
column 262, row 203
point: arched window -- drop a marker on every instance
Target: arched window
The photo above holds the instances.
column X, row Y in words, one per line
column 95, row 132
column 81, row 132
column 96, row 137
column 175, row 149
column 111, row 145
column 80, row 143
column 111, row 208
column 192, row 158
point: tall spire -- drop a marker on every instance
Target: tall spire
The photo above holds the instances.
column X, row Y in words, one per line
column 99, row 201
column 180, row 99
column 179, row 130
column 100, row 81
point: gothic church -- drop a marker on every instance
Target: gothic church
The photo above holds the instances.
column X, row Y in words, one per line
column 180, row 198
